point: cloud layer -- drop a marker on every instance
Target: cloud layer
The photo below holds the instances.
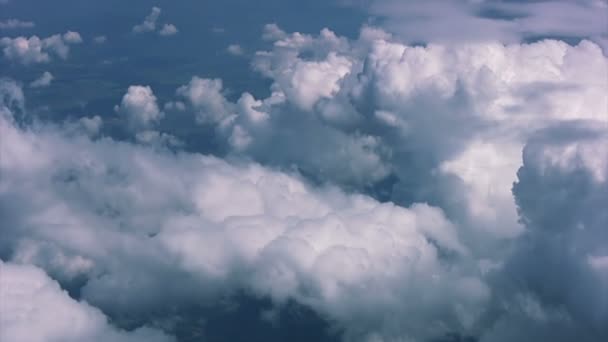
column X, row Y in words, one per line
column 447, row 190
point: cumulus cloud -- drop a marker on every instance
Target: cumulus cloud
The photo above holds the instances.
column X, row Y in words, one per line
column 420, row 193
column 348, row 257
column 10, row 24
column 43, row 81
column 235, row 49
column 149, row 23
column 205, row 97
column 446, row 123
column 556, row 276
column 34, row 308
column 34, row 50
column 140, row 108
column 72, row 37
column 168, row 30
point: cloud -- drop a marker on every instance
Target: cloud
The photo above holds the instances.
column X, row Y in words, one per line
column 149, row 23
column 205, row 97
column 442, row 124
column 10, row 24
column 35, row 308
column 140, row 108
column 449, row 123
column 126, row 217
column 421, row 192
column 556, row 277
column 34, row 50
column 235, row 49
column 43, row 81
column 72, row 37
column 506, row 21
column 168, row 30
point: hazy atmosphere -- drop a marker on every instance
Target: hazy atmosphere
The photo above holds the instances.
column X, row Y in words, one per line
column 290, row 170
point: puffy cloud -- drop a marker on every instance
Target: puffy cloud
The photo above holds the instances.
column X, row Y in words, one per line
column 205, row 97
column 35, row 50
column 453, row 241
column 127, row 217
column 34, row 308
column 72, row 37
column 149, row 23
column 235, row 49
column 556, row 277
column 168, row 30
column 12, row 23
column 140, row 107
column 43, row 81
column 441, row 124
column 91, row 126
column 272, row 32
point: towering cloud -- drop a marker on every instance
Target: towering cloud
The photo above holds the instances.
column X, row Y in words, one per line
column 140, row 107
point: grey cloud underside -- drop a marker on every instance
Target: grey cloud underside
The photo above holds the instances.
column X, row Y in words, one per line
column 381, row 192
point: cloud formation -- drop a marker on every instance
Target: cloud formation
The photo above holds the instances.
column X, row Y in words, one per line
column 279, row 238
column 168, row 30
column 10, row 24
column 235, row 49
column 43, row 81
column 34, row 50
column 149, row 24
column 449, row 190
column 140, row 107
column 36, row 309
column 506, row 21
column 447, row 123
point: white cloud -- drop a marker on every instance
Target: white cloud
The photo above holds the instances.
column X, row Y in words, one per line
column 92, row 125
column 43, row 81
column 506, row 21
column 352, row 112
column 272, row 32
column 235, row 49
column 35, row 50
column 12, row 23
column 168, row 30
column 138, row 215
column 206, row 98
column 444, row 124
column 149, row 23
column 72, row 37
column 34, row 308
column 140, row 107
